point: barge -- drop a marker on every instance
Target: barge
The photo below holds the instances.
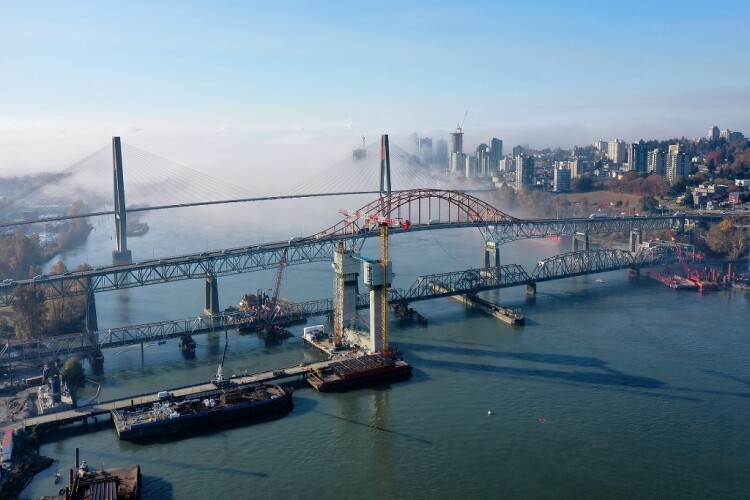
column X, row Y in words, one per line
column 235, row 402
column 674, row 281
column 358, row 371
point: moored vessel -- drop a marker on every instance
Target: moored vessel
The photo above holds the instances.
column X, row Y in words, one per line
column 203, row 409
column 359, row 371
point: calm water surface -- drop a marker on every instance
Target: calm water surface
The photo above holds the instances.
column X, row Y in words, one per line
column 613, row 389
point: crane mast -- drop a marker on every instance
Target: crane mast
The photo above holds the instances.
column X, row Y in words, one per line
column 384, row 288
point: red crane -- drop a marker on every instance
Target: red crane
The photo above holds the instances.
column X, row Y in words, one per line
column 691, row 274
column 279, row 276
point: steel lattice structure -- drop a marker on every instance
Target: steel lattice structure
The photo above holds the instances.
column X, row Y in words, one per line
column 470, row 281
column 453, row 209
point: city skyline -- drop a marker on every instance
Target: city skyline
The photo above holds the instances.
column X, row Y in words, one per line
column 225, row 87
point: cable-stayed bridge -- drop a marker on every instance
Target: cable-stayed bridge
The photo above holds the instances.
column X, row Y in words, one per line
column 419, row 208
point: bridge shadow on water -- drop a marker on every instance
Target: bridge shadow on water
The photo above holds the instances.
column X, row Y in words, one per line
column 603, row 376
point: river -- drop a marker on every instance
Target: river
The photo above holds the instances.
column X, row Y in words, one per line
column 614, row 388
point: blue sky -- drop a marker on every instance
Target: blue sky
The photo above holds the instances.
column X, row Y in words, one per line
column 206, row 83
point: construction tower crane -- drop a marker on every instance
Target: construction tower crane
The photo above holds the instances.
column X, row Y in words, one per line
column 460, row 128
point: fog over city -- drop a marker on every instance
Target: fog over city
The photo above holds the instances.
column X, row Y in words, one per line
column 244, row 92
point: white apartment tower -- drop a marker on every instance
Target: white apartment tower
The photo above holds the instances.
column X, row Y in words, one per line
column 524, row 172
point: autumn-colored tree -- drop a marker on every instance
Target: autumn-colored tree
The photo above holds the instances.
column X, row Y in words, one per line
column 727, row 239
column 29, row 312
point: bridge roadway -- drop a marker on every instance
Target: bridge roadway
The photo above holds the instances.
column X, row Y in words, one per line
column 82, row 413
column 470, row 281
column 316, row 248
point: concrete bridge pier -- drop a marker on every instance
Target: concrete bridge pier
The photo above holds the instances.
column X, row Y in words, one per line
column 634, row 273
column 491, row 255
column 636, row 238
column 531, row 289
column 212, row 295
column 92, row 324
column 581, row 242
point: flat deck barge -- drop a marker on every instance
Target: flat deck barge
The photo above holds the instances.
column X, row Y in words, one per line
column 673, row 281
column 359, row 371
column 234, row 402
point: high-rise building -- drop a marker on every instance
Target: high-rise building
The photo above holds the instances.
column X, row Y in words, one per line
column 457, row 142
column 674, row 149
column 471, row 167
column 517, row 151
column 616, row 151
column 496, row 147
column 713, row 133
column 457, row 161
column 561, row 180
column 506, row 164
column 524, row 172
column 484, row 160
column 601, row 145
column 441, row 153
column 637, row 156
column 425, row 150
column 657, row 162
column 725, row 134
column 576, row 167
column 678, row 165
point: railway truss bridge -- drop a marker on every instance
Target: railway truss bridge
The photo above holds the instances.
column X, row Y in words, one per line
column 470, row 282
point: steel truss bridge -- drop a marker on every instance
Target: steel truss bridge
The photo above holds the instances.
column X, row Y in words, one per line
column 470, row 282
column 425, row 209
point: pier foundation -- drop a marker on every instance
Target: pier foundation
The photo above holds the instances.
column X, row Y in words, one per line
column 491, row 256
column 212, row 295
column 531, row 289
column 581, row 242
column 92, row 323
column 636, row 238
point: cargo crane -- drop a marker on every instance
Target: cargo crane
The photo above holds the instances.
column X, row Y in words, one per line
column 690, row 274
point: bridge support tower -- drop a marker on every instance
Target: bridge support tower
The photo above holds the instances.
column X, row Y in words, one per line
column 212, row 295
column 346, row 271
column 581, row 242
column 636, row 238
column 531, row 289
column 121, row 255
column 92, row 324
column 491, row 255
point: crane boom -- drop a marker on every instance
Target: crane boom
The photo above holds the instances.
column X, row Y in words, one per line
column 279, row 276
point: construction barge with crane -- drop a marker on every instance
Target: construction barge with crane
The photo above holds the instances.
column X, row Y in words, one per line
column 226, row 401
column 693, row 279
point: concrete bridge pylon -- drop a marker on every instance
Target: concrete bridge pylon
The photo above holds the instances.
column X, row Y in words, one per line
column 121, row 255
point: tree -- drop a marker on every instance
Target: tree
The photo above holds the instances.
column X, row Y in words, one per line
column 727, row 239
column 72, row 373
column 648, row 204
column 29, row 312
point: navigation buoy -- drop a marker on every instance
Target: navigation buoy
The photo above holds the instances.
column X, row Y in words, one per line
column 489, row 412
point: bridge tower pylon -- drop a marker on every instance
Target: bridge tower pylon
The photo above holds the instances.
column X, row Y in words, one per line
column 346, row 271
column 121, row 255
